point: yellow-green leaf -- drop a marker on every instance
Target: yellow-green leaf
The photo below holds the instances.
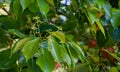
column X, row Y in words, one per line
column 16, row 7
column 30, row 48
column 79, row 51
column 20, row 44
column 59, row 35
column 51, row 2
column 113, row 69
column 92, row 16
column 54, row 48
column 101, row 27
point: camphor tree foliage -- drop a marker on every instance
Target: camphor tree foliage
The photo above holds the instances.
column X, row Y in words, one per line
column 47, row 35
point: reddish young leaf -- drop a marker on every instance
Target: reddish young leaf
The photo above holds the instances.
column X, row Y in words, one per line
column 57, row 65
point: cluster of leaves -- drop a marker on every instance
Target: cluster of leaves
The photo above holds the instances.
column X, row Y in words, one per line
column 33, row 36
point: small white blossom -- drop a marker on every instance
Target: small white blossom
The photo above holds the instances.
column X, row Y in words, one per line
column 63, row 8
column 63, row 18
column 65, row 2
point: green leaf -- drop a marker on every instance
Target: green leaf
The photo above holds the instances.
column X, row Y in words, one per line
column 16, row 32
column 79, row 51
column 110, row 41
column 43, row 6
column 34, row 7
column 92, row 16
column 25, row 3
column 51, row 2
column 16, row 8
column 59, row 35
column 115, row 19
column 119, row 3
column 101, row 40
column 73, row 54
column 108, row 9
column 32, row 66
column 20, row 44
column 84, row 67
column 6, row 61
column 45, row 61
column 3, row 39
column 101, row 27
column 54, row 48
column 100, row 3
column 118, row 67
column 30, row 48
column 69, row 37
column 9, row 22
column 65, row 55
column 113, row 69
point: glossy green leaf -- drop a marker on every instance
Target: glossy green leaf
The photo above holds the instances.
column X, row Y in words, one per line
column 16, row 33
column 7, row 61
column 59, row 35
column 20, row 44
column 45, row 61
column 65, row 55
column 51, row 2
column 30, row 48
column 92, row 16
column 101, row 27
column 16, row 7
column 25, row 3
column 73, row 54
column 113, row 69
column 43, row 6
column 54, row 48
column 108, row 9
column 79, row 51
column 115, row 19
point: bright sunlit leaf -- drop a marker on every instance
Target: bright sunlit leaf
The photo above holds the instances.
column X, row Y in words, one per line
column 45, row 61
column 43, row 6
column 30, row 48
column 59, row 35
column 25, row 3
